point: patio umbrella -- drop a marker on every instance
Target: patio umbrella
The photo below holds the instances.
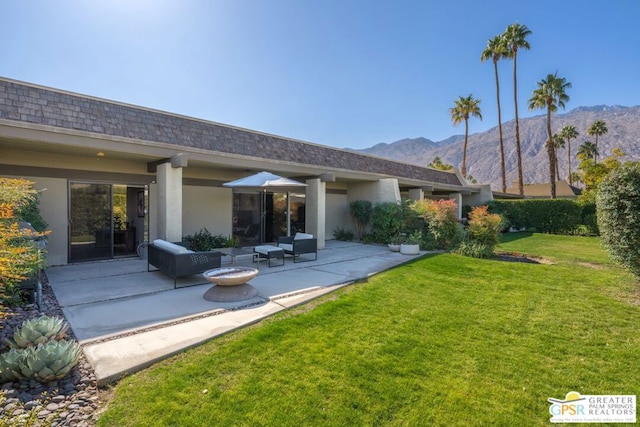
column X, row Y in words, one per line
column 267, row 181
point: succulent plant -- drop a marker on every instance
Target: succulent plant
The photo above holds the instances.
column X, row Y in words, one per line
column 9, row 365
column 37, row 331
column 49, row 361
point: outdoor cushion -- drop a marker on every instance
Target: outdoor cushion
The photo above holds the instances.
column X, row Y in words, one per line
column 286, row 246
column 299, row 236
column 170, row 247
column 265, row 249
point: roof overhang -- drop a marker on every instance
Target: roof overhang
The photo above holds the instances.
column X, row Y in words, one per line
column 71, row 142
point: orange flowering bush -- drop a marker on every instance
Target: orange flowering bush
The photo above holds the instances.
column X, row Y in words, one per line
column 483, row 233
column 440, row 218
column 19, row 257
column 484, row 227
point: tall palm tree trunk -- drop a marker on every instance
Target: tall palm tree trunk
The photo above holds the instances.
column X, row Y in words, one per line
column 502, row 165
column 595, row 153
column 552, row 156
column 569, row 177
column 515, row 100
column 556, row 161
column 464, row 149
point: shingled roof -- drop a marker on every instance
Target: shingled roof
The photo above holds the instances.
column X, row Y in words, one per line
column 33, row 104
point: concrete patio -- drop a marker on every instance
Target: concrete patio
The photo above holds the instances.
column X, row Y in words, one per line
column 126, row 318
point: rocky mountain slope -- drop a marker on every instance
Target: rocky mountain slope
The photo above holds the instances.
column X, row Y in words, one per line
column 483, row 155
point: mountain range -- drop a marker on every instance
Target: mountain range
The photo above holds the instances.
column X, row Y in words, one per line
column 483, row 152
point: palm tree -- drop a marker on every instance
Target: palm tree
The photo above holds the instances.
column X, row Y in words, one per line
column 550, row 94
column 463, row 108
column 569, row 132
column 587, row 150
column 597, row 128
column 515, row 38
column 497, row 49
column 558, row 143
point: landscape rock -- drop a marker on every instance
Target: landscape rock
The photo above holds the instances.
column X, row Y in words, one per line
column 71, row 401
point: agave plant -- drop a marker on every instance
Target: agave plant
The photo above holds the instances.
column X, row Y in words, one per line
column 49, row 361
column 9, row 365
column 38, row 331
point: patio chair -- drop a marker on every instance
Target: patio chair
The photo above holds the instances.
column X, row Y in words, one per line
column 300, row 244
column 176, row 260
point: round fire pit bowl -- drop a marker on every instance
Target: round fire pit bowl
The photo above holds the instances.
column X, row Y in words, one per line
column 230, row 276
column 230, row 284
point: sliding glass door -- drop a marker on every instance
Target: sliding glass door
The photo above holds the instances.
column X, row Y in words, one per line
column 105, row 220
column 90, row 222
column 261, row 217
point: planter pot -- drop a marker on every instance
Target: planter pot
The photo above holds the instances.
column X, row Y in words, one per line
column 409, row 249
column 393, row 247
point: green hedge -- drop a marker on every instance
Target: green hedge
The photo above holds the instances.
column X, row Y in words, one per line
column 557, row 216
column 618, row 202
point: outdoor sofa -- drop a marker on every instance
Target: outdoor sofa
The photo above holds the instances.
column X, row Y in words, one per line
column 300, row 244
column 176, row 260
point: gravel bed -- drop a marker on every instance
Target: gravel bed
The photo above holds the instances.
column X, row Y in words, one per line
column 71, row 401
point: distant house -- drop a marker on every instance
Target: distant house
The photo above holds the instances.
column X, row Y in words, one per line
column 117, row 175
column 543, row 191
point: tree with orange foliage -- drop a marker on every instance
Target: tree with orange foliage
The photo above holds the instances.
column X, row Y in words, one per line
column 20, row 258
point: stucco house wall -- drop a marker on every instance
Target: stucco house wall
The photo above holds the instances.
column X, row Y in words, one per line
column 206, row 207
column 337, row 214
column 380, row 191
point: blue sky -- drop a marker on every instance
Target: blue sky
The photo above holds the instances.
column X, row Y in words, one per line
column 345, row 73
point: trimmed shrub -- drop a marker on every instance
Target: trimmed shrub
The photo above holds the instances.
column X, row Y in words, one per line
column 512, row 211
column 589, row 219
column 618, row 204
column 559, row 216
column 386, row 221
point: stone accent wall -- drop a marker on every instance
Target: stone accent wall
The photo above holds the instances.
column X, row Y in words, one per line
column 30, row 104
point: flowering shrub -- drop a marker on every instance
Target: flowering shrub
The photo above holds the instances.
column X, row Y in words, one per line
column 483, row 233
column 440, row 218
column 484, row 227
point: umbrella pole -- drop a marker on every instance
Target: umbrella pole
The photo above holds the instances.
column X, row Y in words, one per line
column 288, row 213
column 263, row 217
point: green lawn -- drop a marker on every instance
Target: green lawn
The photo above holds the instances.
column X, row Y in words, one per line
column 446, row 340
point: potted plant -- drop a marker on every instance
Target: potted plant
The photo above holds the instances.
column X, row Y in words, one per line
column 396, row 241
column 411, row 245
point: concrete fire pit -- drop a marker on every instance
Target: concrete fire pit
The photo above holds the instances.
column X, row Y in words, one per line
column 230, row 276
column 230, row 284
